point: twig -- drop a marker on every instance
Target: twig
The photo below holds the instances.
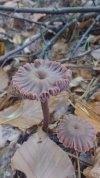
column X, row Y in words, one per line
column 51, row 10
column 78, row 158
column 6, row 57
column 93, row 91
column 55, row 38
column 78, row 164
column 22, row 19
column 88, row 89
column 84, row 35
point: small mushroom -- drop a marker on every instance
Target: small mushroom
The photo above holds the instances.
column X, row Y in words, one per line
column 39, row 80
column 76, row 133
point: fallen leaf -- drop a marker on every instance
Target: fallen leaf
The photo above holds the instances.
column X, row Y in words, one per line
column 94, row 106
column 60, row 99
column 8, row 133
column 96, row 54
column 96, row 96
column 29, row 113
column 94, row 171
column 5, row 160
column 37, row 17
column 84, row 24
column 40, row 157
column 60, row 110
column 23, row 115
column 85, row 74
column 17, row 39
column 2, row 47
column 59, row 48
column 34, row 47
column 84, row 111
column 2, row 33
column 12, row 3
column 19, row 23
column 4, row 80
column 76, row 82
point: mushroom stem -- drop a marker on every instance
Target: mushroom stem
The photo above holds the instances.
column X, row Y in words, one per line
column 46, row 115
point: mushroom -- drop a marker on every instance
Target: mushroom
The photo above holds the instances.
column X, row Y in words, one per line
column 76, row 133
column 39, row 80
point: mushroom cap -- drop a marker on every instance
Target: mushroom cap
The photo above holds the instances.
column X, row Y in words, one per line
column 76, row 133
column 41, row 79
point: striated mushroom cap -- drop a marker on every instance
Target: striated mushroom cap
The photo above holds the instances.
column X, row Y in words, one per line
column 76, row 133
column 41, row 79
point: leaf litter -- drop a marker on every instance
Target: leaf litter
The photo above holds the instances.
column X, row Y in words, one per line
column 21, row 118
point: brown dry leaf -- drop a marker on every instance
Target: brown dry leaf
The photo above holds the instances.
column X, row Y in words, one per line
column 88, row 112
column 59, row 48
column 84, row 24
column 85, row 74
column 17, row 39
column 40, row 157
column 2, row 47
column 94, row 106
column 36, row 17
column 61, row 98
column 4, row 80
column 23, row 115
column 94, row 171
column 96, row 96
column 12, row 3
column 28, row 113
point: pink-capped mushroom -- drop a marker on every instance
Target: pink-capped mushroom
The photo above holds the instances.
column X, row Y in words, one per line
column 41, row 79
column 76, row 133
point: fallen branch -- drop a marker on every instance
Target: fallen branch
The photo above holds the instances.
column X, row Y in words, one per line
column 51, row 10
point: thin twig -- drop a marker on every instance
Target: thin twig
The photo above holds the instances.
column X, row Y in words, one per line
column 55, row 38
column 51, row 10
column 78, row 164
column 84, row 35
column 59, row 33
column 88, row 89
column 22, row 19
column 80, row 159
column 93, row 91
